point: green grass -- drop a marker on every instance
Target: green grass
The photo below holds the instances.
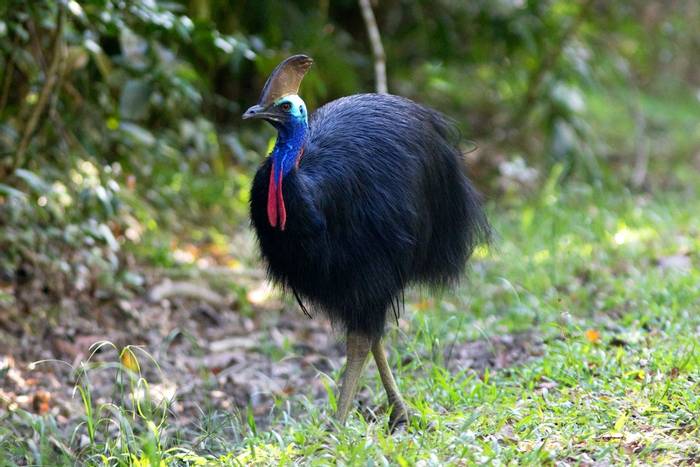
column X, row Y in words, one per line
column 588, row 272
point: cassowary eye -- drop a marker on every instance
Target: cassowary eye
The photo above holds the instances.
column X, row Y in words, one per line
column 286, row 106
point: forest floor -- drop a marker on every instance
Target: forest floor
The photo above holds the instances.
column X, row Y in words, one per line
column 574, row 340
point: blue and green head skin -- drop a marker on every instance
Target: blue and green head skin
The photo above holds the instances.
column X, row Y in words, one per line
column 291, row 125
column 281, row 105
column 288, row 114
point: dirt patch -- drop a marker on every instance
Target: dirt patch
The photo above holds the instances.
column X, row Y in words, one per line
column 497, row 352
column 212, row 356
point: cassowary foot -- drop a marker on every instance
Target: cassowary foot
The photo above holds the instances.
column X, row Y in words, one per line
column 358, row 348
column 398, row 419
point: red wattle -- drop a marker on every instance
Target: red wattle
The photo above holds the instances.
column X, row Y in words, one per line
column 276, row 211
column 272, row 198
column 280, row 205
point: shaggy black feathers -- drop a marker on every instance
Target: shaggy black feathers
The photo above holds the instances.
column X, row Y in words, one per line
column 379, row 201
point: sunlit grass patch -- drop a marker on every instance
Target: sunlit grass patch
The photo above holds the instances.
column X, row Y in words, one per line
column 573, row 341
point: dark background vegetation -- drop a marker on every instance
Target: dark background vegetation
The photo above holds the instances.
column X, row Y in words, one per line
column 120, row 121
column 123, row 156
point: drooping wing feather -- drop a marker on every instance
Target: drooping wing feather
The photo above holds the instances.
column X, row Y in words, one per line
column 285, row 79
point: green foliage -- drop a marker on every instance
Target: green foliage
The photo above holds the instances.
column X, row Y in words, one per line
column 150, row 93
column 103, row 140
column 60, row 234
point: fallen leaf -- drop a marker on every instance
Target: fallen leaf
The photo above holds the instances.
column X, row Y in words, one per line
column 620, row 422
column 592, row 336
column 129, row 360
column 423, row 305
column 239, row 342
column 41, row 402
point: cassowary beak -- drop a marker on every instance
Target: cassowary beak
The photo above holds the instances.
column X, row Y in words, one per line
column 258, row 111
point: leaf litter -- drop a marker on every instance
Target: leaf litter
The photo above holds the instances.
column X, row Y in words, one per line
column 212, row 352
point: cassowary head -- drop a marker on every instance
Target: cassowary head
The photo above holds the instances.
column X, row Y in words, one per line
column 279, row 103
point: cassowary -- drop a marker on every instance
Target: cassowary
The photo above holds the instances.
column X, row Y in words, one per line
column 357, row 201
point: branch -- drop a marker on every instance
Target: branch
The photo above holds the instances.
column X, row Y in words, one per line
column 377, row 48
column 50, row 79
column 547, row 63
column 7, row 80
column 58, row 84
column 641, row 160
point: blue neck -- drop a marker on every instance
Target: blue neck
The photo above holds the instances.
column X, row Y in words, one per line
column 291, row 136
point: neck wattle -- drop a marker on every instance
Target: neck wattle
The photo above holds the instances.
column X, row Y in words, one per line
column 285, row 158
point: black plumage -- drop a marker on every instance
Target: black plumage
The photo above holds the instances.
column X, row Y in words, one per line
column 366, row 197
column 379, row 201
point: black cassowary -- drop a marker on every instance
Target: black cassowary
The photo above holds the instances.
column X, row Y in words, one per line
column 357, row 201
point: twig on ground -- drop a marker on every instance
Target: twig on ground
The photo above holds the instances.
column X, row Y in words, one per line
column 168, row 289
column 215, row 271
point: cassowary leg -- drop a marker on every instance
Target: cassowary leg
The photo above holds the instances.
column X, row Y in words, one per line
column 399, row 414
column 357, row 350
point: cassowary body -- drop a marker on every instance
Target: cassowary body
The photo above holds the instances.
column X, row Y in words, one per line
column 357, row 202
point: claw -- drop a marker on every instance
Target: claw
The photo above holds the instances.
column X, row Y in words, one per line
column 398, row 420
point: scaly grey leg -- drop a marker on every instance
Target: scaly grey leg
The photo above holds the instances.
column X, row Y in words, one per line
column 358, row 347
column 399, row 414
